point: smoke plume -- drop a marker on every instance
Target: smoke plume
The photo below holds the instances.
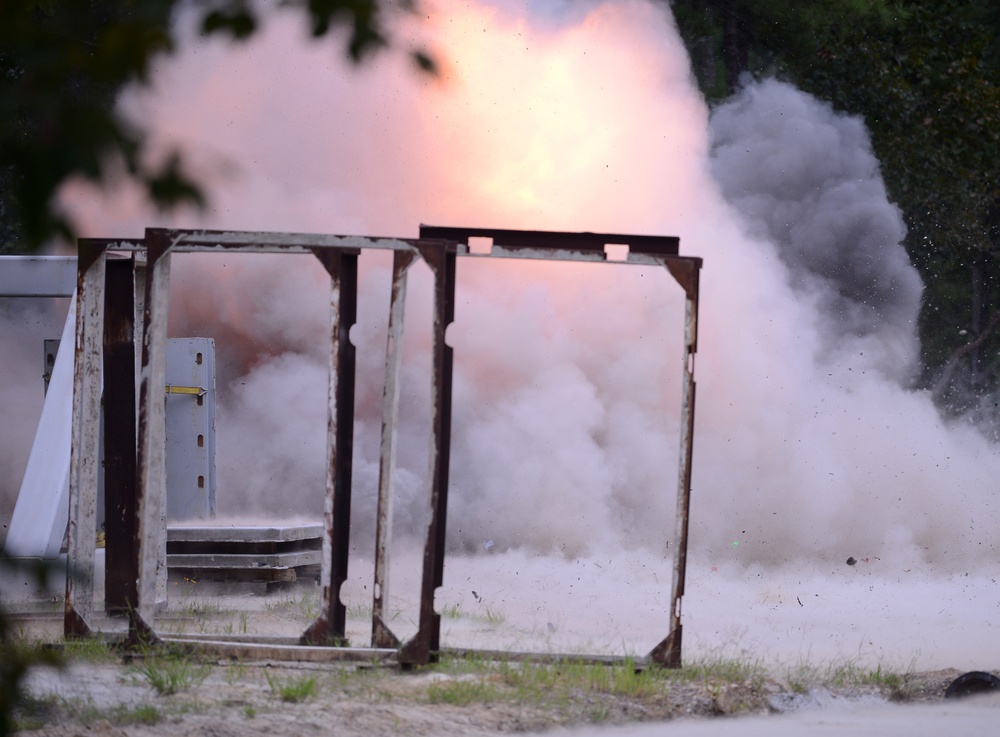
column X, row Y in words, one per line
column 805, row 179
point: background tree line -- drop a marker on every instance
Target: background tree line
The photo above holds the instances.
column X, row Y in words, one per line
column 922, row 73
column 924, row 76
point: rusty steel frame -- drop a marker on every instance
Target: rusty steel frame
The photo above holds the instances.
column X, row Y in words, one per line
column 438, row 248
column 548, row 245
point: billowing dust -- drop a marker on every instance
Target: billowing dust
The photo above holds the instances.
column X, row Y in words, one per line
column 811, row 446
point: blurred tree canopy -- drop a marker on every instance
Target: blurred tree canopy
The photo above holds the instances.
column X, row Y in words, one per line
column 62, row 65
column 925, row 76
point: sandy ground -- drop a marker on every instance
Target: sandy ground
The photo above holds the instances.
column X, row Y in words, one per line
column 110, row 698
column 814, row 663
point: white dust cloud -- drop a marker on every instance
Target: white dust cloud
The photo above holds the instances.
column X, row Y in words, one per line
column 809, row 446
column 564, row 401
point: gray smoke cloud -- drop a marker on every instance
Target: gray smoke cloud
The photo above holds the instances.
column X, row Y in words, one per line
column 805, row 179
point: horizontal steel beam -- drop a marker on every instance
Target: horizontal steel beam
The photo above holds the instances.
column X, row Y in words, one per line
column 553, row 241
column 207, row 241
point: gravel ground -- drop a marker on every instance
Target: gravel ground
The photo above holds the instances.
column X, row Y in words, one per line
column 248, row 699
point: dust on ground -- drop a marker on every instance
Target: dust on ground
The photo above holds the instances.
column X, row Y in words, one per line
column 104, row 692
column 245, row 699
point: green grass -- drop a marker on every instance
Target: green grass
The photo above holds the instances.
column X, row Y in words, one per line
column 279, row 606
column 304, row 609
column 89, row 650
column 461, row 692
column 359, row 611
column 732, row 670
column 851, row 674
column 294, row 688
column 494, row 617
column 846, row 674
column 199, row 608
column 308, row 606
column 169, row 673
column 452, row 611
column 479, row 681
column 125, row 715
column 235, row 672
column 36, row 713
column 621, row 679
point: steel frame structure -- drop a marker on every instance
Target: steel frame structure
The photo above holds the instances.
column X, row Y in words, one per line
column 104, row 325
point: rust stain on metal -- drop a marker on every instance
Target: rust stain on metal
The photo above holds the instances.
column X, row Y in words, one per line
column 686, row 271
column 75, row 625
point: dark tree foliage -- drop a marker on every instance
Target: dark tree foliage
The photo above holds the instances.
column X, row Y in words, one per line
column 17, row 656
column 62, row 64
column 928, row 88
column 729, row 38
column 924, row 75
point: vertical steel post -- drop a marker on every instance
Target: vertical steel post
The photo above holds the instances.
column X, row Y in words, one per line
column 426, row 642
column 148, row 550
column 382, row 636
column 86, row 444
column 121, row 571
column 330, row 626
column 668, row 652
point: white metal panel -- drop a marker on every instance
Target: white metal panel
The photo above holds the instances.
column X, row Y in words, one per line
column 37, row 276
column 38, row 524
column 190, row 429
